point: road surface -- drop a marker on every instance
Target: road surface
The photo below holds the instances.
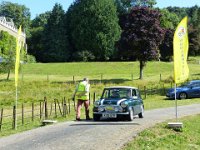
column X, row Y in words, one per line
column 90, row 135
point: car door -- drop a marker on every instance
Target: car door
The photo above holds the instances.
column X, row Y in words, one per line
column 195, row 90
column 136, row 102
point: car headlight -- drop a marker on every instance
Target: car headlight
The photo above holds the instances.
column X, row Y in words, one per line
column 124, row 104
column 101, row 108
column 96, row 104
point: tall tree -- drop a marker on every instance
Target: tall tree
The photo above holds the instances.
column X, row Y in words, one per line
column 168, row 20
column 166, row 48
column 35, row 43
column 7, row 52
column 142, row 35
column 55, row 44
column 93, row 26
column 20, row 14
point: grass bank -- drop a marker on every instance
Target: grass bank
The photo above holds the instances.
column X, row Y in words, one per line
column 160, row 137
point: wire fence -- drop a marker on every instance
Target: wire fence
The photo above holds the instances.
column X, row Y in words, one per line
column 27, row 113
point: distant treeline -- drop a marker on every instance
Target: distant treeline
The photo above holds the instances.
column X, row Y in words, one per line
column 94, row 30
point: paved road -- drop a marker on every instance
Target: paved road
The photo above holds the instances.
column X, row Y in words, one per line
column 89, row 135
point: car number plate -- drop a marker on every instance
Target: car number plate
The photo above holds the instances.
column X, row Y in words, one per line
column 111, row 115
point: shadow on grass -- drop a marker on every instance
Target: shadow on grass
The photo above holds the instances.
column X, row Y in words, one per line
column 5, row 80
column 104, row 81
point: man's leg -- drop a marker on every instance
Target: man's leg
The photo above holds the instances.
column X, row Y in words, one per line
column 78, row 109
column 86, row 104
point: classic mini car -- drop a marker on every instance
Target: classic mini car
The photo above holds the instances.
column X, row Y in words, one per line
column 120, row 102
column 190, row 89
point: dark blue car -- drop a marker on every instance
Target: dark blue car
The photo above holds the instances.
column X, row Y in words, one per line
column 120, row 102
column 190, row 89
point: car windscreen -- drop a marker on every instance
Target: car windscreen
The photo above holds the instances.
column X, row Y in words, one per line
column 116, row 93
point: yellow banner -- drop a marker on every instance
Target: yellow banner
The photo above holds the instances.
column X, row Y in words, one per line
column 180, row 46
column 17, row 61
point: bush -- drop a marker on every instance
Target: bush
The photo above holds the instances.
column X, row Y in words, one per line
column 31, row 59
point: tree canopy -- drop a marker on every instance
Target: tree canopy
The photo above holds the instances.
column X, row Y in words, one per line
column 94, row 27
column 141, row 35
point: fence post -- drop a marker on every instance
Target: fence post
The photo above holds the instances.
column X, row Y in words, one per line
column 59, row 107
column 64, row 107
column 1, row 119
column 55, row 108
column 73, row 79
column 32, row 111
column 160, row 77
column 69, row 105
column 40, row 110
column 14, row 126
column 132, row 77
column 145, row 92
column 94, row 97
column 45, row 105
column 22, row 114
column 101, row 78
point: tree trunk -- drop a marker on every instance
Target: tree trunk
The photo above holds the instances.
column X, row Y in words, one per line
column 8, row 76
column 142, row 64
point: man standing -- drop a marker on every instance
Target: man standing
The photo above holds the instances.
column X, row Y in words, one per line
column 82, row 94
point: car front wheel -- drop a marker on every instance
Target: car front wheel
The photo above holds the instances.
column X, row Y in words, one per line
column 130, row 117
column 182, row 95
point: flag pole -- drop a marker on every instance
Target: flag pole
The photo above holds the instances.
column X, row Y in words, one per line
column 175, row 102
column 16, row 108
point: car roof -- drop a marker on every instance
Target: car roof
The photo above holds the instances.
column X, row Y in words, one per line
column 194, row 81
column 120, row 87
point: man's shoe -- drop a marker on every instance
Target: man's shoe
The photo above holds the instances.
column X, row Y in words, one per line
column 78, row 119
column 88, row 118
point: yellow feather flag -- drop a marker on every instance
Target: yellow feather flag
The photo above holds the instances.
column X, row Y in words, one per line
column 17, row 61
column 180, row 46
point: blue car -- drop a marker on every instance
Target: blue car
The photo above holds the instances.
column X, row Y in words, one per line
column 190, row 89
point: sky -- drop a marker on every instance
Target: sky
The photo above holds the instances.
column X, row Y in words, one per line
column 40, row 6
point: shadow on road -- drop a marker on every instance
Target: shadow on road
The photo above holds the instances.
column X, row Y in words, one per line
column 103, row 122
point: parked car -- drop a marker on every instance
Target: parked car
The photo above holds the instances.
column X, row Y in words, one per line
column 120, row 102
column 190, row 89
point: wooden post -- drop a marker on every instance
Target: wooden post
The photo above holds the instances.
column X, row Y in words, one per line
column 55, row 108
column 1, row 119
column 73, row 79
column 69, row 106
column 14, row 117
column 145, row 92
column 40, row 110
column 46, row 110
column 32, row 111
column 51, row 109
column 64, row 107
column 160, row 77
column 94, row 96
column 101, row 78
column 59, row 107
column 22, row 114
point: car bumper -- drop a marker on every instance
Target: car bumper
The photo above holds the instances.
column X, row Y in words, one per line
column 117, row 113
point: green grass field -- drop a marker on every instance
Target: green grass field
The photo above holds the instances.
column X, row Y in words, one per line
column 160, row 137
column 55, row 80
